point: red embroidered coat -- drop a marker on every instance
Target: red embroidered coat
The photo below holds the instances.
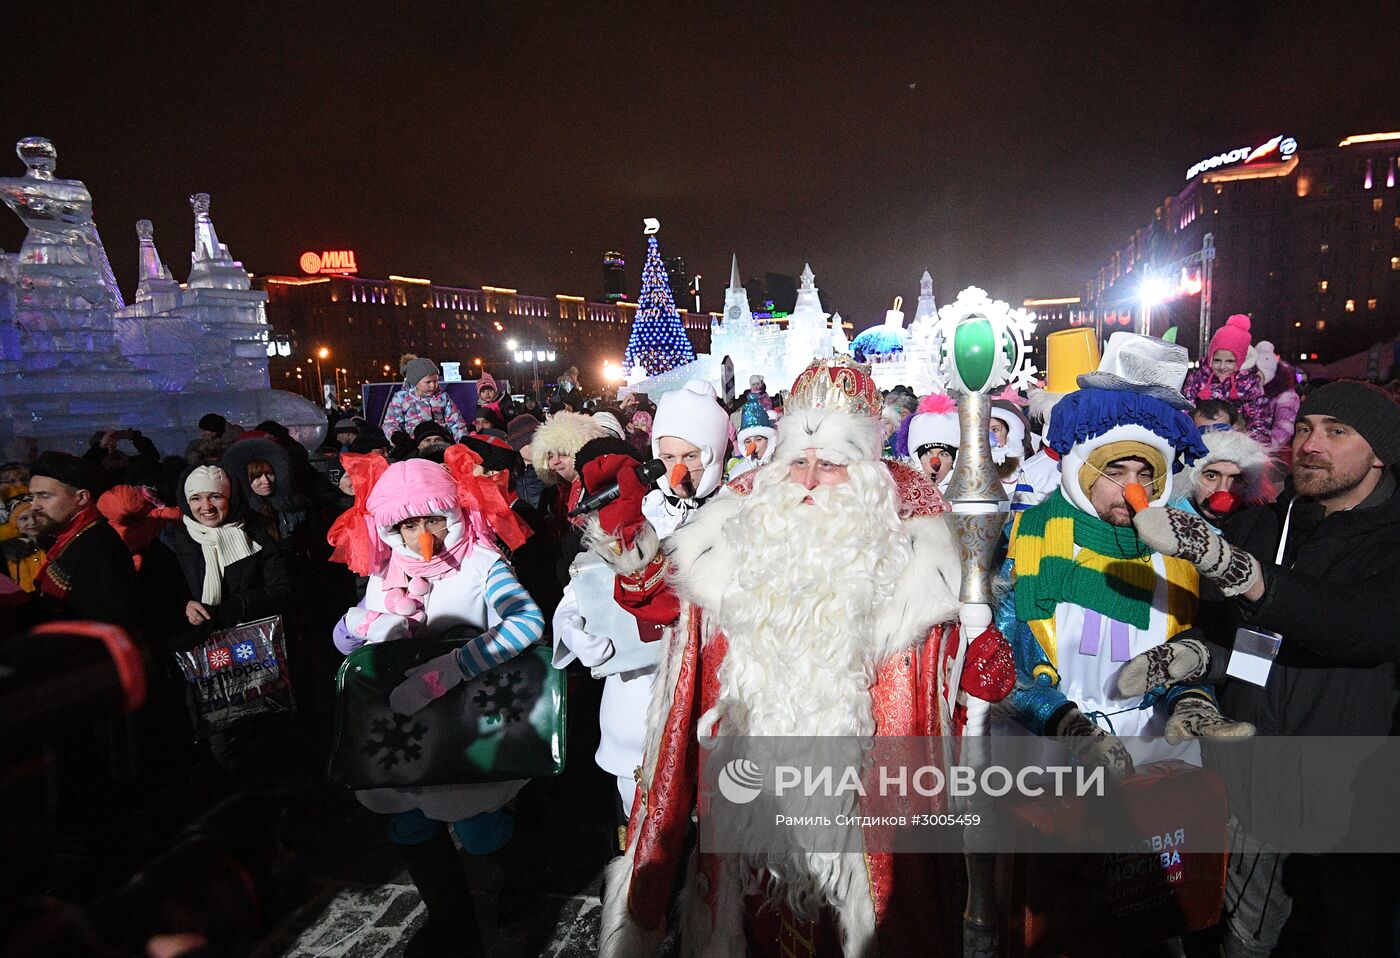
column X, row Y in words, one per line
column 911, row 893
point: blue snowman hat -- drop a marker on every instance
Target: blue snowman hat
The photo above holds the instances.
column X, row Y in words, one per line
column 753, row 414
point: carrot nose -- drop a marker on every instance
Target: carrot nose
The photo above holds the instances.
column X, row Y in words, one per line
column 749, row 447
column 679, row 474
column 1136, row 496
column 427, row 545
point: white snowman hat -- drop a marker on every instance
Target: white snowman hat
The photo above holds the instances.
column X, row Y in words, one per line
column 693, row 413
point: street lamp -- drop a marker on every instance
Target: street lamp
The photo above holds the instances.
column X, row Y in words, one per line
column 322, row 353
column 532, row 355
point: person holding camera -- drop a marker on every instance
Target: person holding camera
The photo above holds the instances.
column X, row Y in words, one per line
column 105, row 452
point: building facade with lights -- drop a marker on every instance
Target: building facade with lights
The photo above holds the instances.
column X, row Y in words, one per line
column 1305, row 241
column 364, row 325
column 614, row 276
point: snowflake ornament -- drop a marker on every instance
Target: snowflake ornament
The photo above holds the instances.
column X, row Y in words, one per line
column 981, row 344
column 500, row 699
column 398, row 739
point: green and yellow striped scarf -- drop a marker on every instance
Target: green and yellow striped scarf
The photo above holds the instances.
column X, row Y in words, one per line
column 1112, row 574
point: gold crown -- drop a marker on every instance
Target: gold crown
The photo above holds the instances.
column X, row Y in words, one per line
column 838, row 384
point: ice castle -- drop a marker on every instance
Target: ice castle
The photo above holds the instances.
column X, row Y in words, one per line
column 896, row 354
column 766, row 349
column 76, row 359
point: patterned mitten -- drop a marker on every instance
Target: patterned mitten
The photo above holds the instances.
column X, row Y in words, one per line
column 1093, row 746
column 1176, row 533
column 1195, row 716
column 1181, row 660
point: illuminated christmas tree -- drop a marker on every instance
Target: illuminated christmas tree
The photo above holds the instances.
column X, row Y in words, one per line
column 658, row 342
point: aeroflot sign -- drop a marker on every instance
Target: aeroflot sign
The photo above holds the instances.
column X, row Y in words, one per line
column 1275, row 150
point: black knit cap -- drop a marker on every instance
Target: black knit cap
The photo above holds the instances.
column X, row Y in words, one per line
column 213, row 422
column 69, row 470
column 369, row 442
column 1368, row 409
column 521, row 430
column 429, row 428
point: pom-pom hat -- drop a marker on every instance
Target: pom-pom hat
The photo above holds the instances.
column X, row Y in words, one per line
column 1233, row 337
column 934, row 424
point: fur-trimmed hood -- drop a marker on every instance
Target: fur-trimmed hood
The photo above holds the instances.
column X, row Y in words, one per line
column 565, row 433
column 235, row 462
column 1253, row 458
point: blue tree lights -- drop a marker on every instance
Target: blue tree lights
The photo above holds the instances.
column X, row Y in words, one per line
column 658, row 342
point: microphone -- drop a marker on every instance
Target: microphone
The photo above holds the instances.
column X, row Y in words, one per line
column 647, row 474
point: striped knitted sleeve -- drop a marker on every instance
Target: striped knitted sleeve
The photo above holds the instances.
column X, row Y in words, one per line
column 522, row 623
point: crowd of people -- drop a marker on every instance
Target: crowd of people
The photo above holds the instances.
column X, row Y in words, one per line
column 772, row 566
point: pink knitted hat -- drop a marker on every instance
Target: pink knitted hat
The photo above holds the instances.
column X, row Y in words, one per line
column 1232, row 337
column 487, row 380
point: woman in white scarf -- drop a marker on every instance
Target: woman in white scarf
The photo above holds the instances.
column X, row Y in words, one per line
column 222, row 542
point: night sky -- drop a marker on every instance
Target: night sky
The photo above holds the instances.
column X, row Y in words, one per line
column 1012, row 146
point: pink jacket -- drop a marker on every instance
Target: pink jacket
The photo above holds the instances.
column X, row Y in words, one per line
column 1285, row 417
column 1244, row 390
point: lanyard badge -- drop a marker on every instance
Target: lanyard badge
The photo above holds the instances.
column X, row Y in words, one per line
column 1255, row 649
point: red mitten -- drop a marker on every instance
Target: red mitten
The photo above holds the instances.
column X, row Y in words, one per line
column 623, row 516
column 648, row 596
column 989, row 671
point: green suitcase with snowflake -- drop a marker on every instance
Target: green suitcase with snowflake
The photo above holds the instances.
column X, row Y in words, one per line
column 507, row 723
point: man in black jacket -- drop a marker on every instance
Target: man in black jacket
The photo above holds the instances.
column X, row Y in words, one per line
column 88, row 574
column 1321, row 568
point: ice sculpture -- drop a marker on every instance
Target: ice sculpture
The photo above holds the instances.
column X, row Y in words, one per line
column 74, row 359
column 764, row 349
column 896, row 354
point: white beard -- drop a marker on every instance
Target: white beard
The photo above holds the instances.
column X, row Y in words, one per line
column 801, row 602
column 799, row 612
